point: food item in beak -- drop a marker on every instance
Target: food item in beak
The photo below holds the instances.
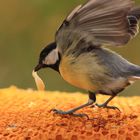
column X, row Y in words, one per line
column 39, row 83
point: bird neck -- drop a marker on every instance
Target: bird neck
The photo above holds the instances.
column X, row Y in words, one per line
column 56, row 65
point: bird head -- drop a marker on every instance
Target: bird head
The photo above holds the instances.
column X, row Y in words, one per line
column 49, row 57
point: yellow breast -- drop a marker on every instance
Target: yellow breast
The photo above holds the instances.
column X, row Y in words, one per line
column 73, row 74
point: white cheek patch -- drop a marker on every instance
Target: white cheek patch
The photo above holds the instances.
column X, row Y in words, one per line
column 52, row 57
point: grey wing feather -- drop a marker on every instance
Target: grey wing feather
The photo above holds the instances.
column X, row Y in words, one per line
column 100, row 21
column 135, row 12
column 133, row 17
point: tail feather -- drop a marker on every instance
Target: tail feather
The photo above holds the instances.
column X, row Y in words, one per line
column 137, row 77
column 135, row 73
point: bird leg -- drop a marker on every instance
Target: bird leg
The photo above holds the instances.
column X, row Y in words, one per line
column 92, row 99
column 105, row 104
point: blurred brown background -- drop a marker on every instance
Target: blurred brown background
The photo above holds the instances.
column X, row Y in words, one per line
column 25, row 28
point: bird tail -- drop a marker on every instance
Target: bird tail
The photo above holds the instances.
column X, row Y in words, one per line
column 137, row 76
column 133, row 19
column 135, row 73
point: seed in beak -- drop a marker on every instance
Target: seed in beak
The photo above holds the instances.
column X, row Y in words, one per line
column 39, row 83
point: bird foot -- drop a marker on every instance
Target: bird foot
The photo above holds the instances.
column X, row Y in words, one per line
column 61, row 112
column 106, row 106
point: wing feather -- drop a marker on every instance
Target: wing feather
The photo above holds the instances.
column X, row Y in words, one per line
column 101, row 22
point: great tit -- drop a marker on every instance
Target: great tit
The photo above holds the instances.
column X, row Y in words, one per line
column 79, row 55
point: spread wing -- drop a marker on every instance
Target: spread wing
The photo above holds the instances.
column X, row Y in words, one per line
column 111, row 22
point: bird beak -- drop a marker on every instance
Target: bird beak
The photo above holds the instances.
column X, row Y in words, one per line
column 38, row 67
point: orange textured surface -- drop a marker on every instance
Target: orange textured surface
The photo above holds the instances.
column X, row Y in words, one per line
column 25, row 115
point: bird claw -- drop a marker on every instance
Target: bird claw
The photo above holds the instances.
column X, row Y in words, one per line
column 69, row 113
column 109, row 107
column 61, row 112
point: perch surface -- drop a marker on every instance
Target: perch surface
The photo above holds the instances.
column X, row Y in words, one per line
column 26, row 115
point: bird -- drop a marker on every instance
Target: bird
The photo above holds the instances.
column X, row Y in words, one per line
column 80, row 53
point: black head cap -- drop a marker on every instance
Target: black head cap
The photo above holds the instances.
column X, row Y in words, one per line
column 51, row 48
column 46, row 51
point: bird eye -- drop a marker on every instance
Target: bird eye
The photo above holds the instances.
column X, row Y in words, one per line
column 90, row 48
column 66, row 22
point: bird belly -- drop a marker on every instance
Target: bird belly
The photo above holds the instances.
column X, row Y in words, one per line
column 81, row 81
column 75, row 77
